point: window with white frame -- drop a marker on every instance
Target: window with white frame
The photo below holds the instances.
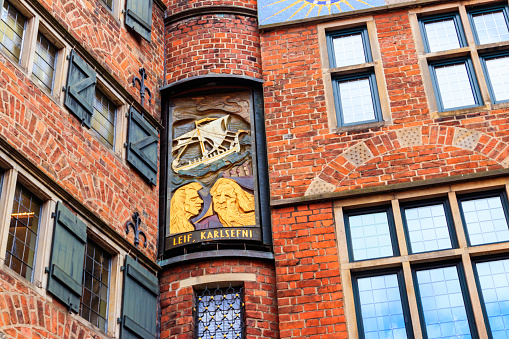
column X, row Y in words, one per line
column 103, row 119
column 355, row 95
column 415, row 258
column 454, row 72
column 23, row 232
column 45, row 59
column 12, row 31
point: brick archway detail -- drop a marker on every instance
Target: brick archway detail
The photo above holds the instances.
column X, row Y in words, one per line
column 407, row 140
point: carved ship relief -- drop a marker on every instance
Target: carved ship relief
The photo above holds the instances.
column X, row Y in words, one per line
column 214, row 139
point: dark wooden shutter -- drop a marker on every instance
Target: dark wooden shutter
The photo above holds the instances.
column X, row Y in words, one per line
column 142, row 146
column 139, row 302
column 139, row 17
column 80, row 89
column 66, row 263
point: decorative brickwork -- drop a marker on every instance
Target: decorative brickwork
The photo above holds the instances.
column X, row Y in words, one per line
column 260, row 297
column 307, row 272
column 176, row 6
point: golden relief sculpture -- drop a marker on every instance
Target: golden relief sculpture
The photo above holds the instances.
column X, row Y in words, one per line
column 232, row 205
column 211, row 163
column 185, row 204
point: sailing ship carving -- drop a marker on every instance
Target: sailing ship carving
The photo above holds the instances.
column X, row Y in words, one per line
column 214, row 139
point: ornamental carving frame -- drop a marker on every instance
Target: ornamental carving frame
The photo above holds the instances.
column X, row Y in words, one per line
column 212, row 170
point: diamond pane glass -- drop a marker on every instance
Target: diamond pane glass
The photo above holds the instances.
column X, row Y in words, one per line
column 485, row 220
column 219, row 313
column 349, row 50
column 381, row 309
column 356, row 100
column 96, row 275
column 442, row 35
column 44, row 62
column 23, row 230
column 454, row 86
column 443, row 308
column 12, row 29
column 103, row 120
column 491, row 27
column 494, row 284
column 427, row 228
column 370, row 236
column 498, row 72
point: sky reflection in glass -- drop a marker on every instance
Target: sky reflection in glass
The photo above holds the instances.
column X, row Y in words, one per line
column 442, row 303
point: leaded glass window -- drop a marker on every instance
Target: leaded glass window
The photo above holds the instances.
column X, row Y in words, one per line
column 442, row 303
column 103, row 120
column 427, row 228
column 12, row 30
column 23, row 231
column 96, row 282
column 219, row 313
column 485, row 219
column 494, row 286
column 381, row 308
column 44, row 62
column 370, row 235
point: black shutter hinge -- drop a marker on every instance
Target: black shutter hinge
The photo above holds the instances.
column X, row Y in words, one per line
column 63, row 88
column 53, row 215
column 125, row 144
column 122, row 268
column 46, row 270
column 119, row 320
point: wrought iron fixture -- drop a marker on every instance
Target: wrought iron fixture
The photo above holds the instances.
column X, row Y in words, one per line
column 143, row 89
column 219, row 313
column 136, row 230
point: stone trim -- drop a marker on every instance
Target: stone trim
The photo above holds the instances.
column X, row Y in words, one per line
column 217, row 278
column 207, row 10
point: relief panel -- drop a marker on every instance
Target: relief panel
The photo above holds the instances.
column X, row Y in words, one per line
column 212, row 170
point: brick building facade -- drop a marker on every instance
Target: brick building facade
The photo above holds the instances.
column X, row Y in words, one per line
column 361, row 148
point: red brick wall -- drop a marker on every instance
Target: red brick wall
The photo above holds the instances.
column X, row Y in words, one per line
column 260, row 297
column 295, row 104
column 54, row 140
column 25, row 314
column 212, row 44
column 121, row 51
column 308, row 279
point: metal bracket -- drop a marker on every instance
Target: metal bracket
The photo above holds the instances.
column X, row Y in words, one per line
column 143, row 89
column 136, row 230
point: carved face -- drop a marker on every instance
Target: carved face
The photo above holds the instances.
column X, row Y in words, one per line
column 225, row 201
column 193, row 202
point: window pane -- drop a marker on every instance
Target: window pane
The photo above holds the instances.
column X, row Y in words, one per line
column 498, row 72
column 454, row 86
column 219, row 313
column 441, row 297
column 96, row 274
column 356, row 100
column 108, row 3
column 485, row 220
column 494, row 284
column 491, row 27
column 44, row 62
column 442, row 35
column 23, row 230
column 103, row 120
column 381, row 309
column 370, row 236
column 12, row 28
column 349, row 50
column 427, row 228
